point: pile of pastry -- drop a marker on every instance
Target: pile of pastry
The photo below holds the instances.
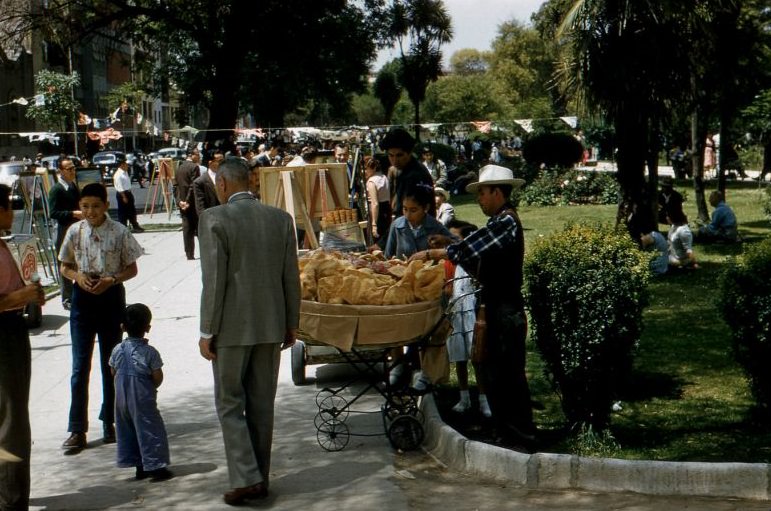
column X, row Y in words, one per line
column 368, row 279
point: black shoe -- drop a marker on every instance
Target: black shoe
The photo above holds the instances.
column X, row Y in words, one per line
column 136, row 228
column 75, row 441
column 158, row 475
column 109, row 434
column 141, row 474
column 67, row 304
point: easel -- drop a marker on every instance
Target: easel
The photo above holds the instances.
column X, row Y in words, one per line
column 165, row 171
column 287, row 190
column 304, row 192
column 36, row 211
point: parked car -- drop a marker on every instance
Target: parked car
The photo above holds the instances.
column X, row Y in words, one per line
column 108, row 162
column 53, row 161
column 9, row 175
column 175, row 153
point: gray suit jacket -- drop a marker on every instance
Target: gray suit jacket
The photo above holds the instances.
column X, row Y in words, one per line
column 251, row 282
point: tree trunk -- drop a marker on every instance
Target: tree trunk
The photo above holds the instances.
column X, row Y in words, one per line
column 632, row 139
column 417, row 121
column 698, row 139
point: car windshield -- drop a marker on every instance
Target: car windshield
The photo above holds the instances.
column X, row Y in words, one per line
column 104, row 158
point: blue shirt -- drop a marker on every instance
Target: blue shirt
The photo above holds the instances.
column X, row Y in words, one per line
column 723, row 222
column 403, row 241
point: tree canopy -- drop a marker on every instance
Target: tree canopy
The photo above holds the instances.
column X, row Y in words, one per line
column 228, row 55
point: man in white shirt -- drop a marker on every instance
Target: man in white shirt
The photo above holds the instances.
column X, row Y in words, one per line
column 127, row 211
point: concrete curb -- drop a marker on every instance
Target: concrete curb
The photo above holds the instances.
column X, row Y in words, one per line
column 567, row 472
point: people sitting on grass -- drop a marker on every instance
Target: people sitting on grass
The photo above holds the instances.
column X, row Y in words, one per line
column 723, row 228
column 654, row 241
column 680, row 240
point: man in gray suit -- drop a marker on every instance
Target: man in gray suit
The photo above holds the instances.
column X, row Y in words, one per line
column 250, row 310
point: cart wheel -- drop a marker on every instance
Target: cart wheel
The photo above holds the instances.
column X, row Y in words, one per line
column 298, row 363
column 322, row 395
column 333, row 435
column 406, row 433
column 334, row 407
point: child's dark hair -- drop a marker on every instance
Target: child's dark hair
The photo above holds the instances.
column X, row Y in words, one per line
column 464, row 227
column 137, row 319
column 97, row 190
column 421, row 193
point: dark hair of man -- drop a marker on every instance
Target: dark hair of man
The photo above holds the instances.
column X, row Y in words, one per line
column 398, row 139
column 421, row 193
column 460, row 224
column 60, row 162
column 234, row 170
column 505, row 190
column 94, row 190
column 5, row 197
column 137, row 319
column 677, row 216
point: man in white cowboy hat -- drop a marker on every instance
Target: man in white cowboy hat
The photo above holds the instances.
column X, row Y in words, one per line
column 494, row 254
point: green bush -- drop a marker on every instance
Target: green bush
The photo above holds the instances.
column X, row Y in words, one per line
column 744, row 301
column 555, row 186
column 586, row 290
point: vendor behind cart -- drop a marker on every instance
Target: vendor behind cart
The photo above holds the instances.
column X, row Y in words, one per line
column 494, row 254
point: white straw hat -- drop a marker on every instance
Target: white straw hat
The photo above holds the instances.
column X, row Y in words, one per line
column 444, row 193
column 495, row 175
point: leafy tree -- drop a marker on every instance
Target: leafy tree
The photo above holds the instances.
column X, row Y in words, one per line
column 523, row 61
column 469, row 61
column 387, row 88
column 621, row 59
column 58, row 104
column 460, row 98
column 422, row 25
column 230, row 55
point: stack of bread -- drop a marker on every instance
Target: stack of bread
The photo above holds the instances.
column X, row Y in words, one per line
column 341, row 216
column 368, row 279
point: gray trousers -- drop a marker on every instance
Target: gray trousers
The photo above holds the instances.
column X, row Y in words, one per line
column 245, row 381
column 15, row 437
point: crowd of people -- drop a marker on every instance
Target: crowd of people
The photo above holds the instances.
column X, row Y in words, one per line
column 249, row 305
column 250, row 300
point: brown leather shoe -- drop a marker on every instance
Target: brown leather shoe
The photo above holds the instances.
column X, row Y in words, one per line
column 237, row 496
column 75, row 441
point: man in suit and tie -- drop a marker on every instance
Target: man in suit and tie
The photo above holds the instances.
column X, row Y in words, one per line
column 186, row 173
column 63, row 202
column 204, row 189
column 250, row 308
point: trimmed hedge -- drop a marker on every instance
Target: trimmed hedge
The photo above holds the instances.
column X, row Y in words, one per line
column 586, row 290
column 744, row 301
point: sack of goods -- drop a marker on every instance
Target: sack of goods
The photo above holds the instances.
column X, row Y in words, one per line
column 368, row 279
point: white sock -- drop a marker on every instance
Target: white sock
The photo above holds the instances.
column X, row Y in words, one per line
column 464, row 396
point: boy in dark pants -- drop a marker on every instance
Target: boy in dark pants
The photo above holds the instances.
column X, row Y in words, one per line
column 98, row 254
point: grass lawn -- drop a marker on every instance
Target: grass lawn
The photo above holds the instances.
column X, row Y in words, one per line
column 686, row 400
